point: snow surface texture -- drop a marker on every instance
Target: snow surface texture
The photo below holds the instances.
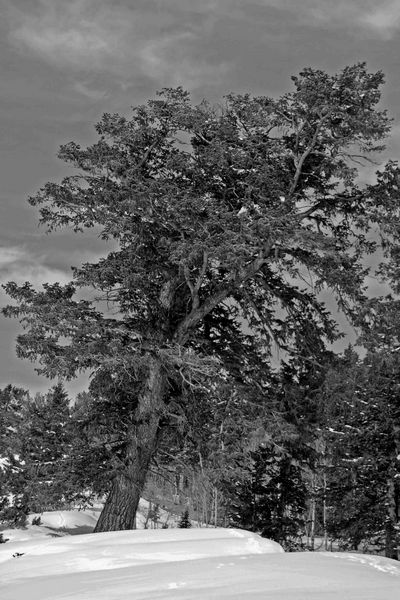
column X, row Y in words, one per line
column 179, row 564
column 187, row 564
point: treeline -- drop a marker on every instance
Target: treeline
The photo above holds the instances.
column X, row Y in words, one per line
column 311, row 458
column 316, row 464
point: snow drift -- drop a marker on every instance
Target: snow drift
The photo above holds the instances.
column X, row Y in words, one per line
column 186, row 564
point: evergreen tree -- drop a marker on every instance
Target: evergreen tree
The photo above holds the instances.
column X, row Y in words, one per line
column 271, row 498
column 38, row 446
column 184, row 521
column 219, row 231
column 363, row 434
column 46, row 448
column 13, row 501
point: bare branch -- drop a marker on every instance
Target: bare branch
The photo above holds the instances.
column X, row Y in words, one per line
column 307, row 213
column 195, row 288
column 202, row 138
column 237, row 279
column 306, row 153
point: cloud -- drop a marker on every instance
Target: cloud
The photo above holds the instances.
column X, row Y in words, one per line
column 16, row 264
column 167, row 42
column 384, row 18
column 362, row 17
column 85, row 89
column 158, row 55
column 75, row 34
column 97, row 36
column 8, row 256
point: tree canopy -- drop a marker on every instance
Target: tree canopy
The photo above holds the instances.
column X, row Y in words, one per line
column 227, row 222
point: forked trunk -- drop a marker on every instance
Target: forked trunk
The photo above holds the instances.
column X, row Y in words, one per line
column 120, row 507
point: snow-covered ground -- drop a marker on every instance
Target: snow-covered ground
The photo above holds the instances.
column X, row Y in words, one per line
column 181, row 564
column 75, row 522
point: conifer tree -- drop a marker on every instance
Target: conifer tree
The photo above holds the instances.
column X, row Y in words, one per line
column 46, row 448
column 184, row 521
column 363, row 435
column 13, row 501
column 215, row 216
column 37, row 448
column 271, row 500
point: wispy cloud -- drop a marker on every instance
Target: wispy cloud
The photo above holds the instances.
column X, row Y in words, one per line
column 168, row 42
column 167, row 60
column 62, row 33
column 16, row 264
column 365, row 17
column 99, row 36
column 384, row 18
column 86, row 89
column 368, row 17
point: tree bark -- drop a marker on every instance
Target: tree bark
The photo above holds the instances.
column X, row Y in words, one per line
column 391, row 549
column 122, row 502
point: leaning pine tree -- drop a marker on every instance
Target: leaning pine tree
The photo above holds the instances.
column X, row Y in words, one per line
column 217, row 215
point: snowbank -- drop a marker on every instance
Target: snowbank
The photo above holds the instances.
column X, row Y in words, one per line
column 187, row 564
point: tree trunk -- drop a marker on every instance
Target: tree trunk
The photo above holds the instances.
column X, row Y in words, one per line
column 312, row 524
column 391, row 549
column 121, row 504
column 325, row 512
column 311, row 533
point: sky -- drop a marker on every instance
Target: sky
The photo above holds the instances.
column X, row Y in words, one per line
column 65, row 63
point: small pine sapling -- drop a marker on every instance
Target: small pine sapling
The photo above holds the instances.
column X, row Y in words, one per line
column 184, row 522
